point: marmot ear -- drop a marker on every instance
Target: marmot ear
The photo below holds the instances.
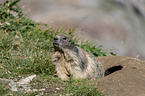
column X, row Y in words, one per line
column 64, row 38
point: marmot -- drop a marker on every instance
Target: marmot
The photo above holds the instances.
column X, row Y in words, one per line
column 72, row 62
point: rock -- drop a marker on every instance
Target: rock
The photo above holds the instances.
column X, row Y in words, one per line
column 128, row 81
column 26, row 80
column 115, row 25
column 23, row 83
column 138, row 6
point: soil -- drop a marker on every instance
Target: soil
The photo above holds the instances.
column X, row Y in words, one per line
column 127, row 80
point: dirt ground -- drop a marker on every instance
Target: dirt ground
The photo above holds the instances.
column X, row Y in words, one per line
column 129, row 80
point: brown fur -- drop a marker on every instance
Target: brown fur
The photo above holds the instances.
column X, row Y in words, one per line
column 73, row 62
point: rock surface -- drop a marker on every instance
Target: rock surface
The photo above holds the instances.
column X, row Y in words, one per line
column 117, row 24
column 129, row 81
column 23, row 83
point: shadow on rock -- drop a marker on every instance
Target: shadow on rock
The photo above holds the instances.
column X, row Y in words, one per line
column 125, row 76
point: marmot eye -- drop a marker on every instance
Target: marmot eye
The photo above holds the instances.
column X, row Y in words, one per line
column 64, row 38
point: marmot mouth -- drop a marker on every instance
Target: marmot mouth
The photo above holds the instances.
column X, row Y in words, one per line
column 56, row 44
column 57, row 47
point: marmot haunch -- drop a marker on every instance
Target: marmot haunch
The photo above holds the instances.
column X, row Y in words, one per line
column 72, row 62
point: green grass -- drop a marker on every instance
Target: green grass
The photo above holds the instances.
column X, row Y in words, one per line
column 26, row 48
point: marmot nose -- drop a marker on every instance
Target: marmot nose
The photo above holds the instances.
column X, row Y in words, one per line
column 56, row 41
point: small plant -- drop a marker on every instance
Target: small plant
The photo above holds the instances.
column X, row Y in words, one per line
column 90, row 46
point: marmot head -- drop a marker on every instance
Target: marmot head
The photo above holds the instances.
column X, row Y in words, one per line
column 61, row 42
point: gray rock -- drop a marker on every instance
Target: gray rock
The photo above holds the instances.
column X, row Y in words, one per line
column 23, row 83
column 115, row 24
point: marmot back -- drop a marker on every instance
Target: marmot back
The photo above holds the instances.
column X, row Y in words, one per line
column 73, row 62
